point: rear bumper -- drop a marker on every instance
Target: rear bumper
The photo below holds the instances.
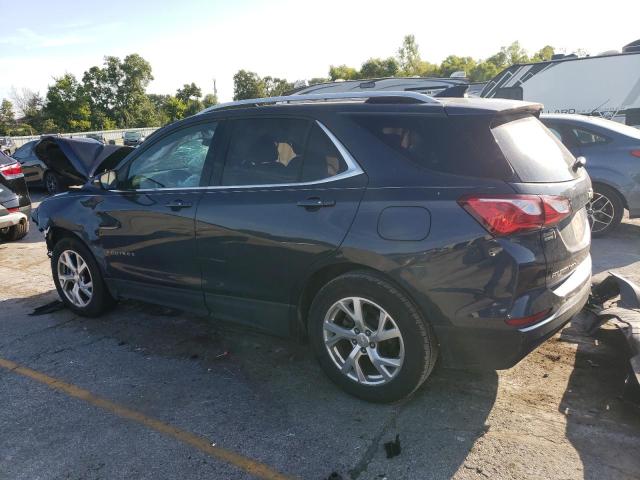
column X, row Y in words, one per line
column 13, row 219
column 503, row 347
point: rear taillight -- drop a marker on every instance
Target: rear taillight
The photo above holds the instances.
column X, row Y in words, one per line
column 509, row 214
column 11, row 171
column 635, row 153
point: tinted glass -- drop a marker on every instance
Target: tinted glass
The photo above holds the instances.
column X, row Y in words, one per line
column 322, row 159
column 175, row 161
column 585, row 137
column 265, row 151
column 463, row 146
column 533, row 151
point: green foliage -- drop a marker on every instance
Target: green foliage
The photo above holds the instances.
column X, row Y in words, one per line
column 409, row 57
column 209, row 100
column 544, row 54
column 7, row 119
column 342, row 72
column 113, row 95
column 247, row 85
column 453, row 63
column 67, row 106
column 379, row 68
column 190, row 91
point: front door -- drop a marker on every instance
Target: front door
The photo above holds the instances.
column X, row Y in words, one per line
column 284, row 200
column 146, row 225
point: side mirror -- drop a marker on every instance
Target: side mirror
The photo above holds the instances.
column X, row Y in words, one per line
column 107, row 180
column 579, row 163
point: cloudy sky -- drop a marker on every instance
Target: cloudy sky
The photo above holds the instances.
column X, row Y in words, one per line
column 198, row 40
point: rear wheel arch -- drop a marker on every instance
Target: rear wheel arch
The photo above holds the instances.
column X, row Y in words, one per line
column 326, row 274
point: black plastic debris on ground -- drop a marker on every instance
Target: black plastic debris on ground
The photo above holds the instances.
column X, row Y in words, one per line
column 393, row 448
column 334, row 476
column 47, row 308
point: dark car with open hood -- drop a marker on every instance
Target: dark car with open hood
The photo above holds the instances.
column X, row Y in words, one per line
column 15, row 203
column 389, row 229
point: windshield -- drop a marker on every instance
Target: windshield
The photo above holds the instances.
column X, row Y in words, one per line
column 132, row 135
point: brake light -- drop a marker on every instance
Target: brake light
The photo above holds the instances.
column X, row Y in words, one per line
column 530, row 320
column 635, row 153
column 11, row 171
column 509, row 214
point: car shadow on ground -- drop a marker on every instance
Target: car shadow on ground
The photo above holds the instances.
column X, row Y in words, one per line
column 601, row 404
column 437, row 427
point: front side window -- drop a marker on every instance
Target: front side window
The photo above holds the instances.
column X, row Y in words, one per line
column 175, row 161
column 265, row 151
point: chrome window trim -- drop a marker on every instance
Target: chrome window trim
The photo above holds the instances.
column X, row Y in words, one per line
column 353, row 169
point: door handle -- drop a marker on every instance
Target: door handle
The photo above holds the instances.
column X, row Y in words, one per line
column 314, row 203
column 178, row 204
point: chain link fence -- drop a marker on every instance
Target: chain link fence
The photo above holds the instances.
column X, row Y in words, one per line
column 109, row 136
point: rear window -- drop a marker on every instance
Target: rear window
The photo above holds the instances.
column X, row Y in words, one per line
column 460, row 146
column 533, row 151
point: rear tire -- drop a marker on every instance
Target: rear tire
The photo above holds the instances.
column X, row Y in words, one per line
column 15, row 232
column 391, row 358
column 605, row 210
column 73, row 264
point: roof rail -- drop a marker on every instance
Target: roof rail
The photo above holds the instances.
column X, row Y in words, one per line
column 323, row 97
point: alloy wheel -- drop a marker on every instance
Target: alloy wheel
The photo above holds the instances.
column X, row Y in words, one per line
column 51, row 184
column 363, row 341
column 75, row 279
column 601, row 212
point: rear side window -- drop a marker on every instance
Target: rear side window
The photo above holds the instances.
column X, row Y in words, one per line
column 533, row 151
column 460, row 146
column 265, row 151
column 585, row 137
column 322, row 159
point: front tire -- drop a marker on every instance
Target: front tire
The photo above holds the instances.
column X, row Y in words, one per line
column 78, row 279
column 370, row 339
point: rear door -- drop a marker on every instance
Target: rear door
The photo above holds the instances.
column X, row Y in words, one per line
column 544, row 166
column 283, row 199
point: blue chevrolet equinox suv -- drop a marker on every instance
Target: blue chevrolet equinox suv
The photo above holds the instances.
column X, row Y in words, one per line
column 390, row 230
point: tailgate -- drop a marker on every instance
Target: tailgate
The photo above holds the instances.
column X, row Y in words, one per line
column 545, row 167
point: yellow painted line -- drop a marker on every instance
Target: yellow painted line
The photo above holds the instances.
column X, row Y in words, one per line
column 249, row 465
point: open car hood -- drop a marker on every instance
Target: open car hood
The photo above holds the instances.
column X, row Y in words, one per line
column 78, row 159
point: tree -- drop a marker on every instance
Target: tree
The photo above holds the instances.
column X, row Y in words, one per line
column 190, row 91
column 247, row 85
column 7, row 119
column 116, row 91
column 484, row 71
column 29, row 105
column 67, row 106
column 544, row 54
column 343, row 72
column 174, row 108
column 209, row 100
column 379, row 67
column 409, row 56
column 453, row 63
column 275, row 87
